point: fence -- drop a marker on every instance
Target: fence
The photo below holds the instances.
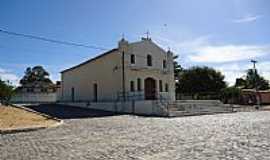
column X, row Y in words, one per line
column 198, row 96
column 139, row 96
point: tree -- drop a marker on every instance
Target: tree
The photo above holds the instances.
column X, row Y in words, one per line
column 252, row 81
column 231, row 95
column 197, row 80
column 36, row 74
column 177, row 67
column 177, row 71
column 240, row 82
column 6, row 92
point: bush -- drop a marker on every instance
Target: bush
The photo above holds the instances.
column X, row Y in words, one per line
column 6, row 92
column 231, row 95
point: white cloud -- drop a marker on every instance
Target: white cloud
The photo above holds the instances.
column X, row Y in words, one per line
column 264, row 69
column 8, row 76
column 232, row 71
column 231, row 59
column 246, row 19
column 235, row 70
column 202, row 49
column 55, row 77
column 228, row 53
column 186, row 45
column 2, row 70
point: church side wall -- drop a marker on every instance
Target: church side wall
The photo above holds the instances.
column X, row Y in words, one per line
column 105, row 72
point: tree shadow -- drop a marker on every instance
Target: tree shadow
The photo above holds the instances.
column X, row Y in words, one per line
column 68, row 112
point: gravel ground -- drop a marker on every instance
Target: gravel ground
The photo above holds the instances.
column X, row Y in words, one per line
column 243, row 135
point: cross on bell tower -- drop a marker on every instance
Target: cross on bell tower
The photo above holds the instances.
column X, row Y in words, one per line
column 147, row 34
column 123, row 36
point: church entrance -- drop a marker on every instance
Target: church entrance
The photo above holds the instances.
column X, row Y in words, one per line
column 149, row 89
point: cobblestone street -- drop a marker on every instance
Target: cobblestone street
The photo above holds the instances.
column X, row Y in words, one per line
column 243, row 135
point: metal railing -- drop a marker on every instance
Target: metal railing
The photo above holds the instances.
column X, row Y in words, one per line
column 129, row 96
column 159, row 101
column 165, row 103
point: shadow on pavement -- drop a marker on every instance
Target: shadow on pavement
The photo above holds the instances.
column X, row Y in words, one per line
column 68, row 112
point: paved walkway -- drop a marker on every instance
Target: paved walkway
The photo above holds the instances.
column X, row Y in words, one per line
column 223, row 136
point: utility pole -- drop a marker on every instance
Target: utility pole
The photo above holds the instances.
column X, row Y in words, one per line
column 254, row 63
column 258, row 97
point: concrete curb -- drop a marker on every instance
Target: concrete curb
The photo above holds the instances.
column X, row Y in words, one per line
column 33, row 111
column 27, row 129
column 34, row 128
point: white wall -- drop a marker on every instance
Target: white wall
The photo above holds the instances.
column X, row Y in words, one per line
column 156, row 71
column 105, row 72
column 133, row 107
column 34, row 97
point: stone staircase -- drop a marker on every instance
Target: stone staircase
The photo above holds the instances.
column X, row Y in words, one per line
column 197, row 107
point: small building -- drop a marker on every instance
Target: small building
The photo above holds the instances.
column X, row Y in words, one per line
column 251, row 96
column 133, row 71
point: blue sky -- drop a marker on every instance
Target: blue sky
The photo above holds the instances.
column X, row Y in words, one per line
column 217, row 33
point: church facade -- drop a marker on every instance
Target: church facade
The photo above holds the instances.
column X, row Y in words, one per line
column 135, row 71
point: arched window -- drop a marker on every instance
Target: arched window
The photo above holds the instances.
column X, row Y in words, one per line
column 132, row 88
column 139, row 84
column 149, row 60
column 132, row 59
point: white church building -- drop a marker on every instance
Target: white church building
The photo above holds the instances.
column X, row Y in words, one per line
column 136, row 78
column 133, row 71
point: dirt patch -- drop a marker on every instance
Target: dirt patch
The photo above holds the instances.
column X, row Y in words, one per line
column 11, row 117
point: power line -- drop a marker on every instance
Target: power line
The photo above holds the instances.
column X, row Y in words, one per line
column 51, row 40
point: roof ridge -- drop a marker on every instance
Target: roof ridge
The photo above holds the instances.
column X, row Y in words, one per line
column 90, row 60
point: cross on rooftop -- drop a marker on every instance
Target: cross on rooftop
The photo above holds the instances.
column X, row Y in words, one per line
column 147, row 34
column 123, row 36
